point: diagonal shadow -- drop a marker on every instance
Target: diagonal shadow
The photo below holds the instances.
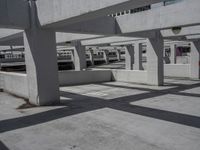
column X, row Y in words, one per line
column 174, row 117
column 81, row 103
column 3, row 146
column 72, row 108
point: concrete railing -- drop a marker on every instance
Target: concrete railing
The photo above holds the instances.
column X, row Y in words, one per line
column 130, row 76
column 14, row 83
column 177, row 70
column 84, row 77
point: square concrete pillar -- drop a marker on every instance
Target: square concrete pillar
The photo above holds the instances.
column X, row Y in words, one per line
column 138, row 56
column 106, row 56
column 79, row 56
column 129, row 57
column 195, row 60
column 41, row 66
column 91, row 55
column 155, row 66
column 173, row 53
column 118, row 55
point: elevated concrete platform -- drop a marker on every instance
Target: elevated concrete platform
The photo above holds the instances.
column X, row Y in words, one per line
column 107, row 116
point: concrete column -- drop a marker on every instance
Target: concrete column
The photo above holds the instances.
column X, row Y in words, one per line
column 138, row 56
column 173, row 53
column 91, row 53
column 41, row 63
column 118, row 55
column 195, row 60
column 129, row 57
column 155, row 66
column 41, row 66
column 105, row 56
column 79, row 56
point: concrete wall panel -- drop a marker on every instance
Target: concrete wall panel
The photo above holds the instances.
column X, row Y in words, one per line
column 130, row 76
column 14, row 83
column 177, row 70
column 84, row 77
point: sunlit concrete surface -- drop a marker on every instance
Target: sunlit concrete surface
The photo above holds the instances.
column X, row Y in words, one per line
column 107, row 116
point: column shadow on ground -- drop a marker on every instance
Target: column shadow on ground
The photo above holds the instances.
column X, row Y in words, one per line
column 81, row 103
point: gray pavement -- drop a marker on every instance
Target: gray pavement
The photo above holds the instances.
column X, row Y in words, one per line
column 107, row 116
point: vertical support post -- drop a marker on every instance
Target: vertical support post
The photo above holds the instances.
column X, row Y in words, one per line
column 79, row 56
column 91, row 53
column 106, row 56
column 118, row 55
column 155, row 66
column 129, row 57
column 138, row 56
column 41, row 63
column 195, row 60
column 173, row 53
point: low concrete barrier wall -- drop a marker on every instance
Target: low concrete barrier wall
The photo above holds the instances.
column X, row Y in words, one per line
column 14, row 83
column 134, row 76
column 84, row 77
column 177, row 70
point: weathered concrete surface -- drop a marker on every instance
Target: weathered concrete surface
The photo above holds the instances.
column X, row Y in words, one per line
column 108, row 116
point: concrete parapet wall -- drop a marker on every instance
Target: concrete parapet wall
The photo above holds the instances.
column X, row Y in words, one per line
column 130, row 76
column 14, row 83
column 177, row 70
column 84, row 77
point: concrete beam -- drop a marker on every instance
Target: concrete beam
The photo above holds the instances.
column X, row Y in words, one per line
column 183, row 13
column 128, row 42
column 108, row 40
column 193, row 37
column 60, row 13
column 14, row 14
column 102, row 25
column 185, row 31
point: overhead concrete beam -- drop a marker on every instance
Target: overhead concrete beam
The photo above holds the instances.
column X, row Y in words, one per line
column 128, row 42
column 102, row 25
column 15, row 37
column 14, row 14
column 108, row 40
column 193, row 30
column 68, row 37
column 193, row 37
column 60, row 13
column 183, row 13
